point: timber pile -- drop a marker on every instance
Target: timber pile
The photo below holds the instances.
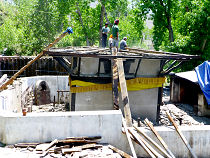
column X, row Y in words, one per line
column 70, row 147
column 149, row 145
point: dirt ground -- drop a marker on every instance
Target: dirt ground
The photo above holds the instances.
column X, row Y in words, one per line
column 183, row 113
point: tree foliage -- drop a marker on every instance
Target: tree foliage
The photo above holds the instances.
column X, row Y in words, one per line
column 179, row 25
column 192, row 30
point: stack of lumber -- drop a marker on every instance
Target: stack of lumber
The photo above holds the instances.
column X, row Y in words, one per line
column 71, row 147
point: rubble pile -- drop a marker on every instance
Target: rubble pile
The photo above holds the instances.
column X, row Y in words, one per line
column 49, row 108
column 183, row 114
column 69, row 147
column 181, row 117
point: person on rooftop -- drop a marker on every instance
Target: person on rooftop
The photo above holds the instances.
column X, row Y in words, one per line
column 110, row 42
column 105, row 31
column 115, row 34
column 123, row 43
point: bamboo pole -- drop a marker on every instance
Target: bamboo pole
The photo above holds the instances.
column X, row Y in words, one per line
column 10, row 81
column 182, row 136
column 159, row 137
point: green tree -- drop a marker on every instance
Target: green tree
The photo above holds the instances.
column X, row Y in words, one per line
column 192, row 31
column 161, row 12
column 45, row 23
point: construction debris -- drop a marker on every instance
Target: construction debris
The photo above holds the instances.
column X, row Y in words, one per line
column 70, row 147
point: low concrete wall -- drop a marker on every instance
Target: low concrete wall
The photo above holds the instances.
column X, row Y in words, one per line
column 43, row 127
column 197, row 136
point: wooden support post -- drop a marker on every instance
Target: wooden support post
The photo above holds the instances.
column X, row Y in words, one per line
column 129, row 138
column 124, row 93
column 115, row 94
column 153, row 142
column 181, row 135
column 159, row 138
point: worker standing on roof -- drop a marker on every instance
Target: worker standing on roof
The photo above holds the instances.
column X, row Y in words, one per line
column 123, row 43
column 105, row 31
column 110, row 42
column 115, row 34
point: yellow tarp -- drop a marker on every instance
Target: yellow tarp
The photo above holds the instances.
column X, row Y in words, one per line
column 132, row 85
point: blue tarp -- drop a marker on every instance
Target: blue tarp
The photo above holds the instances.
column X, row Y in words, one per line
column 203, row 74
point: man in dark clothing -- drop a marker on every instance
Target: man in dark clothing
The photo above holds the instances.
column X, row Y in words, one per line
column 105, row 31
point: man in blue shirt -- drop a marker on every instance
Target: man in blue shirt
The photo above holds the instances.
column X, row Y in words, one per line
column 105, row 31
column 123, row 43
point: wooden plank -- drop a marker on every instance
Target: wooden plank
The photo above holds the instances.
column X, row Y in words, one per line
column 124, row 93
column 10, row 81
column 159, row 137
column 25, row 145
column 42, row 147
column 67, row 141
column 115, row 94
column 122, row 153
column 70, row 150
column 153, row 142
column 80, row 148
column 86, row 138
column 148, row 145
column 50, row 145
column 141, row 143
column 129, row 138
column 182, row 136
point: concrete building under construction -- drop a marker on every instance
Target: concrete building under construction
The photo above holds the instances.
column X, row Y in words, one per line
column 98, row 88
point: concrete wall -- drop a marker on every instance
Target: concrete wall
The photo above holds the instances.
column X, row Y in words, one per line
column 89, row 65
column 149, row 68
column 143, row 103
column 197, row 136
column 96, row 100
column 10, row 99
column 44, row 127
